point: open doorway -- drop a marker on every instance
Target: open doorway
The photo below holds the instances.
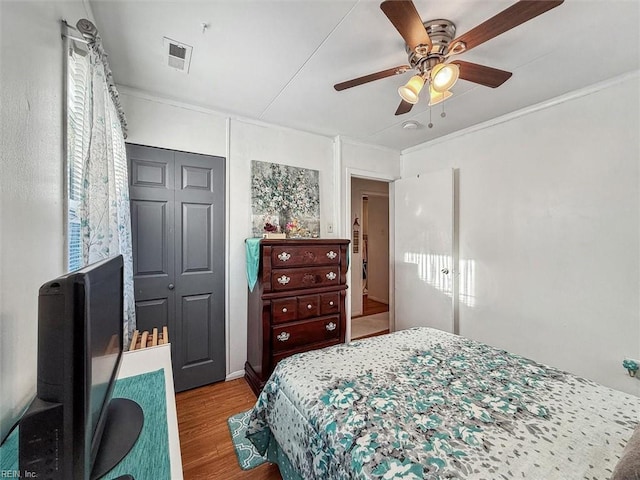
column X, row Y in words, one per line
column 370, row 259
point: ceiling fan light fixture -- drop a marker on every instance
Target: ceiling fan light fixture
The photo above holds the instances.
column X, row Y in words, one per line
column 436, row 97
column 409, row 92
column 444, row 76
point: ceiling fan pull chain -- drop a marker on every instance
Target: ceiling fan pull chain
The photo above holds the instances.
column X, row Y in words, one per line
column 443, row 114
column 430, row 124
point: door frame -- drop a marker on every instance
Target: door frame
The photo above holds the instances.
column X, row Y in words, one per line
column 350, row 173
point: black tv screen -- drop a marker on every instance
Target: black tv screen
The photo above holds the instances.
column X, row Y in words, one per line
column 73, row 429
column 103, row 311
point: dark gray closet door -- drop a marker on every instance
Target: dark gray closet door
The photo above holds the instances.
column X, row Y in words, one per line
column 151, row 194
column 177, row 205
column 199, row 222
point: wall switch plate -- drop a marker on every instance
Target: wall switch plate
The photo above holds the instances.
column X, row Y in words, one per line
column 330, row 228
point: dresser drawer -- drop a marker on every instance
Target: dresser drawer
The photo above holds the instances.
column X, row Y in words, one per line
column 293, row 256
column 284, row 310
column 287, row 337
column 308, row 306
column 329, row 303
column 305, row 277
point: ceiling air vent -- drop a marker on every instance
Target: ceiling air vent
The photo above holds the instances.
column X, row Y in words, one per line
column 178, row 54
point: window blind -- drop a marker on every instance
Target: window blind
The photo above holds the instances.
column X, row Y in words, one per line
column 78, row 134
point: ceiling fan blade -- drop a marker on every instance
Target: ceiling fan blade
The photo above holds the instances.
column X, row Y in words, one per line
column 404, row 107
column 515, row 15
column 406, row 19
column 371, row 77
column 487, row 76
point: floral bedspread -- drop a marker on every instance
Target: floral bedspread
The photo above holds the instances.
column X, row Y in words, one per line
column 425, row 404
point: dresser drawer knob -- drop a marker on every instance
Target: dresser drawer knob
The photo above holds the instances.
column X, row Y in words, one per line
column 284, row 336
column 331, row 254
column 331, row 303
column 283, row 280
column 330, row 326
column 309, row 307
column 331, row 276
column 284, row 310
column 284, row 256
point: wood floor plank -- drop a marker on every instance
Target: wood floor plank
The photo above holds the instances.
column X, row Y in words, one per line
column 205, row 440
column 372, row 307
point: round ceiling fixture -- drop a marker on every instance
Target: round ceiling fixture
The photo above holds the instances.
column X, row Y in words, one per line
column 411, row 125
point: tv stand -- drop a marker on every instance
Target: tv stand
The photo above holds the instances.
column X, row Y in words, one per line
column 147, row 360
column 123, row 426
column 133, row 363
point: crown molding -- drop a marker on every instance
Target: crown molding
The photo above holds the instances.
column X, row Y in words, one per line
column 360, row 143
column 141, row 94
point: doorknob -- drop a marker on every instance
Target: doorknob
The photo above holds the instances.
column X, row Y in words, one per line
column 171, row 286
column 445, row 271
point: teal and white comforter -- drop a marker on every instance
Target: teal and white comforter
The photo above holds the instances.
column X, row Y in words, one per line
column 425, row 404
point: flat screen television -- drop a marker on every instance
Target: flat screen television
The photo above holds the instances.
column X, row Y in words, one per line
column 74, row 430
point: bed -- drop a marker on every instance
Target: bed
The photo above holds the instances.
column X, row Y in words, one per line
column 425, row 404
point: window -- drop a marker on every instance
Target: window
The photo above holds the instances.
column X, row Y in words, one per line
column 78, row 130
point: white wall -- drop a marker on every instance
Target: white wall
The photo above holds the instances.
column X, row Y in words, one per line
column 173, row 125
column 162, row 123
column 549, row 216
column 31, row 195
column 268, row 144
column 377, row 226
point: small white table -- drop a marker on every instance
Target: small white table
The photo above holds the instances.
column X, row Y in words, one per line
column 151, row 359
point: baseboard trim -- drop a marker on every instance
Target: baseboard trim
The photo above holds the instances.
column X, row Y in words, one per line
column 374, row 334
column 234, row 375
column 379, row 300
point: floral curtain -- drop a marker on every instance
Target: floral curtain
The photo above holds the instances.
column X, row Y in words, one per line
column 103, row 195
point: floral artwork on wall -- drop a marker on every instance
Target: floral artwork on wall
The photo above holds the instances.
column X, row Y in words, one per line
column 285, row 199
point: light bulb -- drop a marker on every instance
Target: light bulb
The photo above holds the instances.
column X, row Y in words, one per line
column 409, row 92
column 444, row 76
column 437, row 97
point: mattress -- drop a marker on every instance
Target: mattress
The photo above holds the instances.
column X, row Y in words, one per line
column 426, row 404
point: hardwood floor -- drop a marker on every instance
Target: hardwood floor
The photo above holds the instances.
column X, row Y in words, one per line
column 371, row 307
column 205, row 441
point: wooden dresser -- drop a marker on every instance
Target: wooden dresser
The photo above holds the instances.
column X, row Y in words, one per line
column 298, row 303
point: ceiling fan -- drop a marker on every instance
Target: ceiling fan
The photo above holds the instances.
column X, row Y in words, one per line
column 430, row 44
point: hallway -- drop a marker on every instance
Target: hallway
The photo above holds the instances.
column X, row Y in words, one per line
column 375, row 320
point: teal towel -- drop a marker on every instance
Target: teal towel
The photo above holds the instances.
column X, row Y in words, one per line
column 252, row 245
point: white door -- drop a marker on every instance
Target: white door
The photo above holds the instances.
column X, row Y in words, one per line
column 424, row 266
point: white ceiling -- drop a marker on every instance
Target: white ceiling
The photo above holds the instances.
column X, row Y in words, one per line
column 277, row 60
